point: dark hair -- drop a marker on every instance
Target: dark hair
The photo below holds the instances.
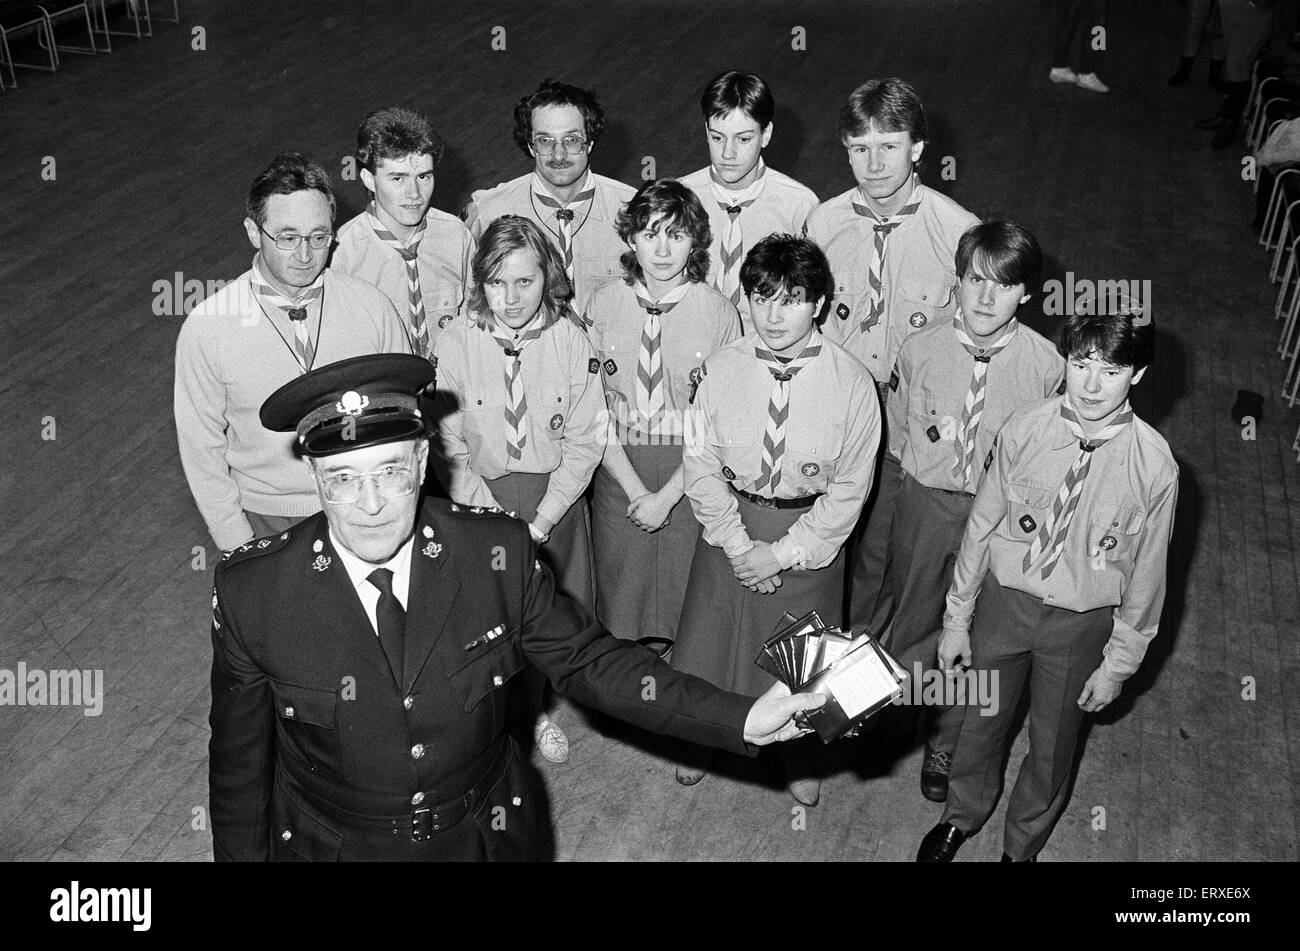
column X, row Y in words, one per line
column 1125, row 339
column 512, row 233
column 732, row 90
column 783, row 262
column 887, row 105
column 551, row 93
column 680, row 207
column 288, row 172
column 1002, row 250
column 394, row 132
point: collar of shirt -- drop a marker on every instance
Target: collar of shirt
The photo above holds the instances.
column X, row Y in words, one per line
column 1062, row 435
column 735, row 196
column 359, row 572
column 915, row 193
column 260, row 276
column 539, row 187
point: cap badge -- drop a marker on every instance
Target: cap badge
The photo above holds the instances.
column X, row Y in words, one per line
column 352, row 403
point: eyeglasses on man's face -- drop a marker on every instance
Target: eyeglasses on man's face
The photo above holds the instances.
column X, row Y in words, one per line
column 289, row 241
column 573, row 144
column 391, row 481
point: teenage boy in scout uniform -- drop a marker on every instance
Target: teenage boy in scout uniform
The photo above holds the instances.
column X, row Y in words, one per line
column 890, row 241
column 362, row 659
column 1059, row 583
column 781, row 447
column 954, row 385
column 745, row 199
column 557, row 126
column 652, row 332
column 417, row 255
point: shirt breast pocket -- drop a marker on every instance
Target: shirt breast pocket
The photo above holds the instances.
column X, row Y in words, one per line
column 813, row 453
column 919, row 303
column 487, row 671
column 594, row 271
column 738, row 444
column 1114, row 532
column 936, row 418
column 1029, row 509
column 307, row 719
column 443, row 302
column 554, row 412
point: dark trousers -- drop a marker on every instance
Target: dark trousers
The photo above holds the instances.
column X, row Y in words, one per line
column 1052, row 651
column 1072, row 43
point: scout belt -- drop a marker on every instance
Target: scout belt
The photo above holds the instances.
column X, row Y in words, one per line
column 423, row 821
column 803, row 502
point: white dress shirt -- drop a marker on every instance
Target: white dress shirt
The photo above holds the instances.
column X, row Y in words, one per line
column 359, row 572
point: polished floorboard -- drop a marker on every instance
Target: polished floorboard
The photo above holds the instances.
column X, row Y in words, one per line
column 105, row 563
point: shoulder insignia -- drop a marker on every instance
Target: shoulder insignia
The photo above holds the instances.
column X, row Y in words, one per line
column 593, row 365
column 893, row 378
column 260, row 546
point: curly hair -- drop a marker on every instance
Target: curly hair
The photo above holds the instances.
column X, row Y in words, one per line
column 552, row 93
column 394, row 132
column 674, row 205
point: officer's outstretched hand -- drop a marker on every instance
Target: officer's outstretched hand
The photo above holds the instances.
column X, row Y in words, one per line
column 771, row 720
column 1100, row 690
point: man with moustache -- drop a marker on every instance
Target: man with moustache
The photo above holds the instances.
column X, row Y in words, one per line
column 417, row 255
column 557, row 126
column 891, row 242
column 362, row 659
column 282, row 317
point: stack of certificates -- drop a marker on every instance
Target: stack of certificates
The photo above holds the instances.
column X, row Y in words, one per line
column 857, row 676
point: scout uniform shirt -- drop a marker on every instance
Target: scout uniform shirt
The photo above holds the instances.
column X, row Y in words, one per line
column 442, row 259
column 831, row 437
column 596, row 245
column 782, row 206
column 918, row 278
column 1117, row 542
column 565, row 424
column 698, row 324
column 930, row 385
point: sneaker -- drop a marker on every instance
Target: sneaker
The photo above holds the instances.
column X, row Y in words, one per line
column 551, row 741
column 1090, row 82
column 1062, row 74
column 934, row 775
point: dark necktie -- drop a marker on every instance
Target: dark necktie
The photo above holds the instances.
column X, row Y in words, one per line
column 390, row 618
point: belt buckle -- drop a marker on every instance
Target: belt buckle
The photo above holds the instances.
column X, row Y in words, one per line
column 765, row 502
column 422, row 824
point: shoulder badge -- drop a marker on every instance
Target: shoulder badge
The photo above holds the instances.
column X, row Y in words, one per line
column 260, row 546
column 893, row 378
column 593, row 365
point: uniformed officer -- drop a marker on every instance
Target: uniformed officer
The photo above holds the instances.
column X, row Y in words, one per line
column 781, row 447
column 417, row 255
column 361, row 659
column 1065, row 550
column 954, row 385
column 652, row 332
column 746, row 200
column 890, row 241
column 521, row 410
column 557, row 126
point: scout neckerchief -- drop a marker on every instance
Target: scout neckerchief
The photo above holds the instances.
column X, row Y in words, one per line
column 733, row 203
column 778, row 408
column 516, row 400
column 649, row 364
column 408, row 249
column 564, row 214
column 968, row 429
column 304, row 351
column 882, row 227
column 1067, row 499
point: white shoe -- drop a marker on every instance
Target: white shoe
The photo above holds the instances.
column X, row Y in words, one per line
column 1063, row 74
column 1090, row 82
column 551, row 741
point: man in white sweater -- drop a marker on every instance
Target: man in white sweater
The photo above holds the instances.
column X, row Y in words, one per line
column 280, row 318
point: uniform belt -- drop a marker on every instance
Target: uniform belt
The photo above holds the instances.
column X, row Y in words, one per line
column 957, row 492
column 803, row 502
column 422, row 821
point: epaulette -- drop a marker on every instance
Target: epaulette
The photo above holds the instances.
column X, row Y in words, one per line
column 471, row 511
column 258, row 546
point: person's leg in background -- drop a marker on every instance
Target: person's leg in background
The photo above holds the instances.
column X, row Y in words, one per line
column 1198, row 12
column 1246, row 29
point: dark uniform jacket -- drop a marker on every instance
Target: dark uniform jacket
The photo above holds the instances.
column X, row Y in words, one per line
column 317, row 753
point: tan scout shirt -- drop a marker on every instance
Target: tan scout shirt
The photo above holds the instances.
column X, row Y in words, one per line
column 565, row 423
column 931, row 381
column 1118, row 540
column 920, row 279
column 782, row 207
column 596, row 245
column 831, row 437
column 698, row 324
column 443, row 260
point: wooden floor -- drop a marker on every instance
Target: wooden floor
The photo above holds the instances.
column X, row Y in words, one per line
column 155, row 146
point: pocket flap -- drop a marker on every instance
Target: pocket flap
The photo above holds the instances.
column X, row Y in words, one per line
column 309, row 705
column 489, row 669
